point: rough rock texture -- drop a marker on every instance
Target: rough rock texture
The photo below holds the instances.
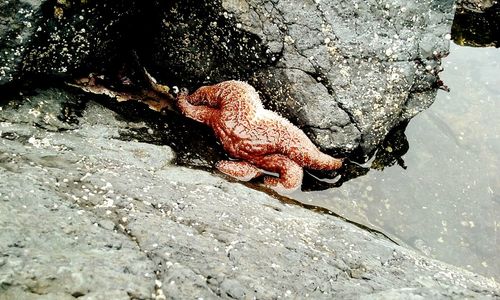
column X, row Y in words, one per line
column 60, row 38
column 85, row 214
column 346, row 72
column 17, row 20
column 355, row 69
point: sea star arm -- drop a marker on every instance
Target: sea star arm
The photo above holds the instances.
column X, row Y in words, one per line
column 206, row 95
column 290, row 173
column 240, row 170
column 307, row 155
column 200, row 113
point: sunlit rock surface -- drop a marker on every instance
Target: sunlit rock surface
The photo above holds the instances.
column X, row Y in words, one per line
column 86, row 212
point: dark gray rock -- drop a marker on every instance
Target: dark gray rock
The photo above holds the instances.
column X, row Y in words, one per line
column 77, row 36
column 347, row 73
column 41, row 37
column 18, row 22
column 86, row 214
column 477, row 23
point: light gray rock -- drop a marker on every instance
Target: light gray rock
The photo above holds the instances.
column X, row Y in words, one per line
column 86, row 214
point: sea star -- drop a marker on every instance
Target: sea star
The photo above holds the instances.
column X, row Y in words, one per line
column 258, row 138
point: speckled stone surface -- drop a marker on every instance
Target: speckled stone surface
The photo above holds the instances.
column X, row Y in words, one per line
column 85, row 214
column 346, row 73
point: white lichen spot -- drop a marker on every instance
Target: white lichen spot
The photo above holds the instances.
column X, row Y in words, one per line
column 289, row 39
column 37, row 143
column 395, row 77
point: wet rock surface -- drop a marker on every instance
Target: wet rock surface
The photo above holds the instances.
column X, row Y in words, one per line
column 86, row 214
column 477, row 23
column 60, row 38
column 17, row 20
column 346, row 73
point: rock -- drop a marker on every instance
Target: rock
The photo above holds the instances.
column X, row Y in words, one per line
column 475, row 5
column 18, row 22
column 41, row 37
column 178, row 232
column 346, row 73
column 231, row 288
column 79, row 36
column 477, row 23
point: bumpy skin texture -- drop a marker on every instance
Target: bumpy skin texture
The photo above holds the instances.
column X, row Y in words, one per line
column 260, row 139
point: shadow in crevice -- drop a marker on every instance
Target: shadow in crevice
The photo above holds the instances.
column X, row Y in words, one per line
column 477, row 27
column 213, row 48
column 196, row 145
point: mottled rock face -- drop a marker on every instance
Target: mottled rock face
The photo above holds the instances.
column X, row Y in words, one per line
column 191, row 42
column 87, row 214
column 346, row 73
column 60, row 38
column 18, row 21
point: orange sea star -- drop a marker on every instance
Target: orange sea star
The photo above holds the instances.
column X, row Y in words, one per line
column 259, row 138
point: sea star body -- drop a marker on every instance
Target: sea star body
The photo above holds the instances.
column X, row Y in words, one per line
column 258, row 138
